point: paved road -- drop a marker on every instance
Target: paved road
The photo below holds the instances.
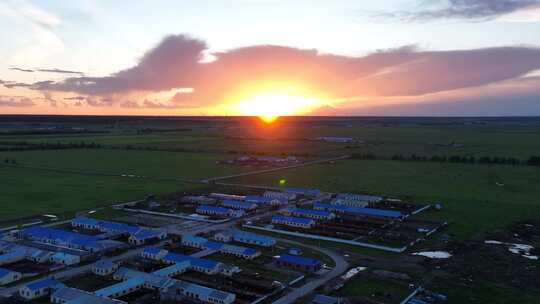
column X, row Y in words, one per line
column 311, row 285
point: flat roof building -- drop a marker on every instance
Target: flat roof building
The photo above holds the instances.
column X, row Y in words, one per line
column 291, row 221
column 9, row 276
column 303, row 191
column 313, row 214
column 358, row 210
column 298, row 263
column 40, row 288
column 234, row 204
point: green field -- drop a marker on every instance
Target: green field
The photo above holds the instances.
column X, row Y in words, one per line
column 475, row 197
column 189, row 166
column 27, row 192
column 386, row 291
column 32, row 191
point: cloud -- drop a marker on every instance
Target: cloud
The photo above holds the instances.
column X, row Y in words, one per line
column 175, row 64
column 60, row 71
column 53, row 70
column 16, row 101
column 75, row 98
column 21, row 70
column 474, row 10
column 13, row 84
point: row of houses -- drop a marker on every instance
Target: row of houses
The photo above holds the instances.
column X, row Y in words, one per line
column 137, row 235
column 205, row 244
column 8, row 276
column 297, row 222
column 359, row 197
column 219, row 211
column 12, row 253
column 184, row 262
column 130, row 281
column 358, row 211
column 68, row 239
column 298, row 263
column 311, row 213
column 244, row 237
column 303, row 191
column 242, row 205
column 282, row 196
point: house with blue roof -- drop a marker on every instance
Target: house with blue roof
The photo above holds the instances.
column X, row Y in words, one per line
column 234, row 204
column 349, row 203
column 153, row 253
column 303, row 191
column 144, row 235
column 219, row 211
column 253, row 238
column 358, row 211
column 359, row 197
column 121, row 289
column 196, row 264
column 203, row 243
column 104, row 267
column 8, row 276
column 59, row 237
column 13, row 254
column 181, row 289
column 281, row 196
column 67, row 295
column 193, row 241
column 137, row 235
column 169, row 289
column 39, row 288
column 313, row 214
column 65, row 258
column 297, row 222
column 298, row 263
column 265, row 200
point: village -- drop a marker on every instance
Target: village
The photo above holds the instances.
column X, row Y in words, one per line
column 213, row 247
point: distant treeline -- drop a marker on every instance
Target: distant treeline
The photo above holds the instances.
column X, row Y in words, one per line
column 152, row 130
column 493, row 160
column 27, row 146
column 52, row 132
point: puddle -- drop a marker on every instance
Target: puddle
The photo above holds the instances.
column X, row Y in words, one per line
column 434, row 254
column 521, row 249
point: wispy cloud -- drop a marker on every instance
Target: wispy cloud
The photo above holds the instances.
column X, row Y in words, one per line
column 473, row 10
column 16, row 101
column 59, row 71
column 21, row 70
column 50, row 70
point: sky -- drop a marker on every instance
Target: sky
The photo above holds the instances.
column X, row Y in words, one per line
column 270, row 57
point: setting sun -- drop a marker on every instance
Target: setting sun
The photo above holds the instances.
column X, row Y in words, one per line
column 270, row 106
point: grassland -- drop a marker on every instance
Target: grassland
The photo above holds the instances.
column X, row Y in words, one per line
column 386, row 291
column 189, row 166
column 476, row 198
column 27, row 192
column 31, row 191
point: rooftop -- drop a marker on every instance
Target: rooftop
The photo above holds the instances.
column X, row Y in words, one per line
column 292, row 219
column 298, row 260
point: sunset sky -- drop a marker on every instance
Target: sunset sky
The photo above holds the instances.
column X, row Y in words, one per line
column 270, row 57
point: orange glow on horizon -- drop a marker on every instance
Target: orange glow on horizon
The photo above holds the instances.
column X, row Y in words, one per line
column 270, row 100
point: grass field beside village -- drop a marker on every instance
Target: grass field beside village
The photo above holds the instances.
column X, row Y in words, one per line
column 189, row 166
column 471, row 197
column 29, row 191
column 507, row 138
